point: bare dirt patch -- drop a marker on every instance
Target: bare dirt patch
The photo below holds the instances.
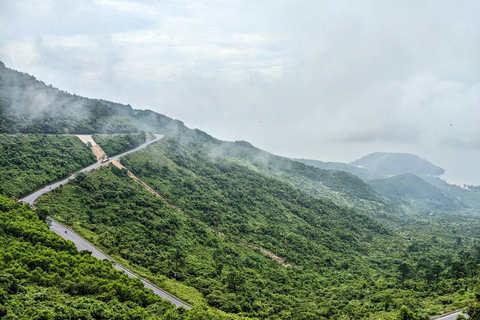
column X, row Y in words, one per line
column 117, row 164
column 96, row 149
column 99, row 153
column 86, row 139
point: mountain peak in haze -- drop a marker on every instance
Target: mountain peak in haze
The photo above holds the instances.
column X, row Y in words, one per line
column 388, row 164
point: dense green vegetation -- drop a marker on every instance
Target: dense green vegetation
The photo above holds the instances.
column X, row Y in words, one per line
column 226, row 203
column 116, row 144
column 28, row 162
column 43, row 276
column 414, row 194
column 137, row 226
column 344, row 265
column 237, row 200
column 341, row 187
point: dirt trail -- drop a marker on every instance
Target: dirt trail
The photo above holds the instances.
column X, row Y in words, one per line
column 268, row 254
column 117, row 163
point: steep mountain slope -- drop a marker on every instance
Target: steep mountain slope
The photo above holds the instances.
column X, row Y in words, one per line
column 339, row 186
column 238, row 229
column 467, row 196
column 228, row 214
column 28, row 162
column 415, row 194
column 43, row 276
column 62, row 112
column 389, row 164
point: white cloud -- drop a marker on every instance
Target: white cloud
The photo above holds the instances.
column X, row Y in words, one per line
column 332, row 80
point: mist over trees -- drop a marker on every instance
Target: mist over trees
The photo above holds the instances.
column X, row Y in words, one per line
column 30, row 106
column 230, row 228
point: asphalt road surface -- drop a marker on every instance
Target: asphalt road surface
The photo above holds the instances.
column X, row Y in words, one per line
column 31, row 198
column 451, row 316
column 82, row 244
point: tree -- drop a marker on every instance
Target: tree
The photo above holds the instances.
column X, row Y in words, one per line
column 436, row 269
column 458, row 269
column 404, row 269
column 388, row 301
column 406, row 314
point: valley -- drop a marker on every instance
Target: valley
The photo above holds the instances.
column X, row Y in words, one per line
column 230, row 229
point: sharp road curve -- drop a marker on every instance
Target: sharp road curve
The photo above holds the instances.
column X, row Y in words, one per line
column 83, row 244
column 31, row 198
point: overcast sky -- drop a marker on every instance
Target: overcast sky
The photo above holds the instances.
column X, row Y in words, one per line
column 327, row 80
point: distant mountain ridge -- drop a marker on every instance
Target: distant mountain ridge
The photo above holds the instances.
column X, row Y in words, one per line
column 391, row 164
column 362, row 173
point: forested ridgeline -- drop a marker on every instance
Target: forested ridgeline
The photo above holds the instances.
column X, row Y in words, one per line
column 250, row 233
column 31, row 161
column 343, row 264
column 30, row 106
column 341, row 187
column 43, row 276
column 118, row 143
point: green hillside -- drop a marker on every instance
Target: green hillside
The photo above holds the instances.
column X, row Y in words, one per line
column 341, row 187
column 247, row 232
column 30, row 106
column 100, row 116
column 115, row 144
column 43, row 276
column 415, row 194
column 227, row 212
column 467, row 196
column 28, row 162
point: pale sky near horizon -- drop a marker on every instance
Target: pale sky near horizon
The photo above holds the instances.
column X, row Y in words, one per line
column 326, row 80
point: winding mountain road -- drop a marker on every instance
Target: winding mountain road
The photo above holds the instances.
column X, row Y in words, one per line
column 32, row 197
column 83, row 244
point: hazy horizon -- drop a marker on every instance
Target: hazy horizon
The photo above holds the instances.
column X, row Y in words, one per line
column 324, row 80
